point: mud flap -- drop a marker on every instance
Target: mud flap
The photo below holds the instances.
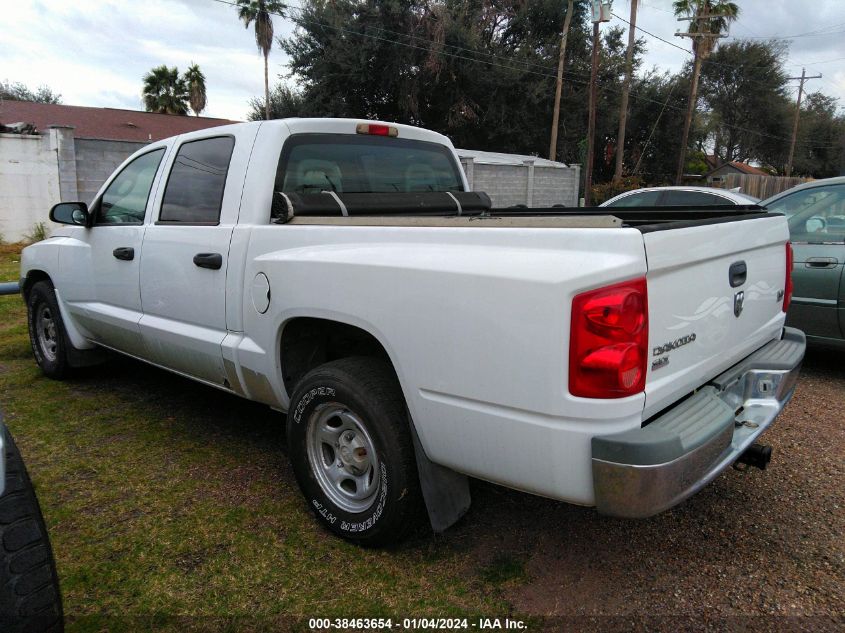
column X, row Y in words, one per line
column 446, row 493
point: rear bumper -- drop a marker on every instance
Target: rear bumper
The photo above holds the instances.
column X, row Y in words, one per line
column 644, row 471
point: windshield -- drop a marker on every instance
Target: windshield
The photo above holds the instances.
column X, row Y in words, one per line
column 311, row 163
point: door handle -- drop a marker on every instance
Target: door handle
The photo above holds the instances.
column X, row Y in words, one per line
column 737, row 274
column 821, row 262
column 125, row 253
column 214, row 261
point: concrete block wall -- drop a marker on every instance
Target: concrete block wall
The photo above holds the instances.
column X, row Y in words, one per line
column 527, row 184
column 29, row 182
column 96, row 160
column 553, row 185
column 507, row 185
column 61, row 139
column 37, row 171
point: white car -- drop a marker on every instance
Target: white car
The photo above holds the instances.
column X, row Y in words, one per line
column 679, row 196
column 339, row 271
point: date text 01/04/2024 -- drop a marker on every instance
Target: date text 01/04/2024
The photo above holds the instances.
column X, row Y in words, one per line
column 320, row 624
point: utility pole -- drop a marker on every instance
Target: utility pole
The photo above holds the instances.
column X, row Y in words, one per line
column 591, row 120
column 626, row 86
column 559, row 86
column 699, row 38
column 802, row 79
column 601, row 13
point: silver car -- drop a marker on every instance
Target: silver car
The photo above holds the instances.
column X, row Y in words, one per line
column 678, row 196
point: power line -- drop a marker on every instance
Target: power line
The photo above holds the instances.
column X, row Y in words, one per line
column 752, row 36
column 689, row 52
column 428, row 48
column 825, row 30
column 722, row 64
column 551, row 75
column 824, row 61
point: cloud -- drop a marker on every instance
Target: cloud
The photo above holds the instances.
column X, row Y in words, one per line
column 95, row 52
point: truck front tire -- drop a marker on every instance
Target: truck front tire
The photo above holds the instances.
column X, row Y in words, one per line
column 352, row 452
column 47, row 330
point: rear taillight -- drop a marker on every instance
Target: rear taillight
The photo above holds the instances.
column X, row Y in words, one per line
column 787, row 285
column 608, row 347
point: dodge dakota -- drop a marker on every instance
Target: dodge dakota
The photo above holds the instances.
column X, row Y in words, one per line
column 340, row 272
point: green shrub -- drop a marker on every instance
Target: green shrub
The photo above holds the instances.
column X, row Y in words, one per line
column 606, row 190
column 38, row 232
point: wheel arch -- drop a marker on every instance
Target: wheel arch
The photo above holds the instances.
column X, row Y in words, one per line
column 305, row 342
column 32, row 278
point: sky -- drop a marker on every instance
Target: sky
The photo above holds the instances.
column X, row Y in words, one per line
column 95, row 52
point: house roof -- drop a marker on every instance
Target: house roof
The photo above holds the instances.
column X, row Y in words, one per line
column 105, row 123
column 748, row 169
column 715, row 163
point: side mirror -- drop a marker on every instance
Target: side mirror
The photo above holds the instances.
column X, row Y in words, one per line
column 75, row 213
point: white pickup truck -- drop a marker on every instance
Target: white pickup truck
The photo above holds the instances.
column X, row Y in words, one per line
column 340, row 271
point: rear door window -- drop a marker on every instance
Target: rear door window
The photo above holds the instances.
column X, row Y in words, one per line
column 343, row 163
column 693, row 198
column 194, row 192
column 642, row 199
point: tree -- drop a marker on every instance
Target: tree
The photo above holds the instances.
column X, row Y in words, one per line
column 195, row 82
column 744, row 90
column 480, row 71
column 19, row 92
column 651, row 141
column 165, row 91
column 259, row 12
column 703, row 31
column 820, row 150
column 284, row 102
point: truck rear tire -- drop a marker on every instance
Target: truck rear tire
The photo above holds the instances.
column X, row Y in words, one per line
column 352, row 452
column 29, row 587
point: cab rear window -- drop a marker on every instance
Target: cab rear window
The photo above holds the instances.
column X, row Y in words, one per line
column 343, row 163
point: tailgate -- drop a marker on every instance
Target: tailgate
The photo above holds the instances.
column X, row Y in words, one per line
column 701, row 321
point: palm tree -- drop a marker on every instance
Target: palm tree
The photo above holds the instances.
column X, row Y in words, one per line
column 259, row 11
column 164, row 91
column 704, row 31
column 195, row 82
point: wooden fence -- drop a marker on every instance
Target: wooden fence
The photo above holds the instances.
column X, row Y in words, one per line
column 759, row 186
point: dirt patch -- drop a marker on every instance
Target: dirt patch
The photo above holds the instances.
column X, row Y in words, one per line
column 751, row 543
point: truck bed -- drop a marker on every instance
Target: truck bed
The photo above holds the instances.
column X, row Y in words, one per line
column 432, row 209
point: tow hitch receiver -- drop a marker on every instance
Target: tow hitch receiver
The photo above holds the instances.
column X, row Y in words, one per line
column 757, row 455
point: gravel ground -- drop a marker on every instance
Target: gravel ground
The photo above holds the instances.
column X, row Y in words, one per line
column 751, row 544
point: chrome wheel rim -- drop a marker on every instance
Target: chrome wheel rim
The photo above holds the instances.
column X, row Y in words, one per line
column 343, row 457
column 45, row 331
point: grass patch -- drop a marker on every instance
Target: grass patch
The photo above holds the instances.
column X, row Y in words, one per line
column 503, row 569
column 171, row 505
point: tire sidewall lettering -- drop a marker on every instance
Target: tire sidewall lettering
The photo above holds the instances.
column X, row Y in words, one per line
column 307, row 398
column 369, row 522
column 323, row 507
